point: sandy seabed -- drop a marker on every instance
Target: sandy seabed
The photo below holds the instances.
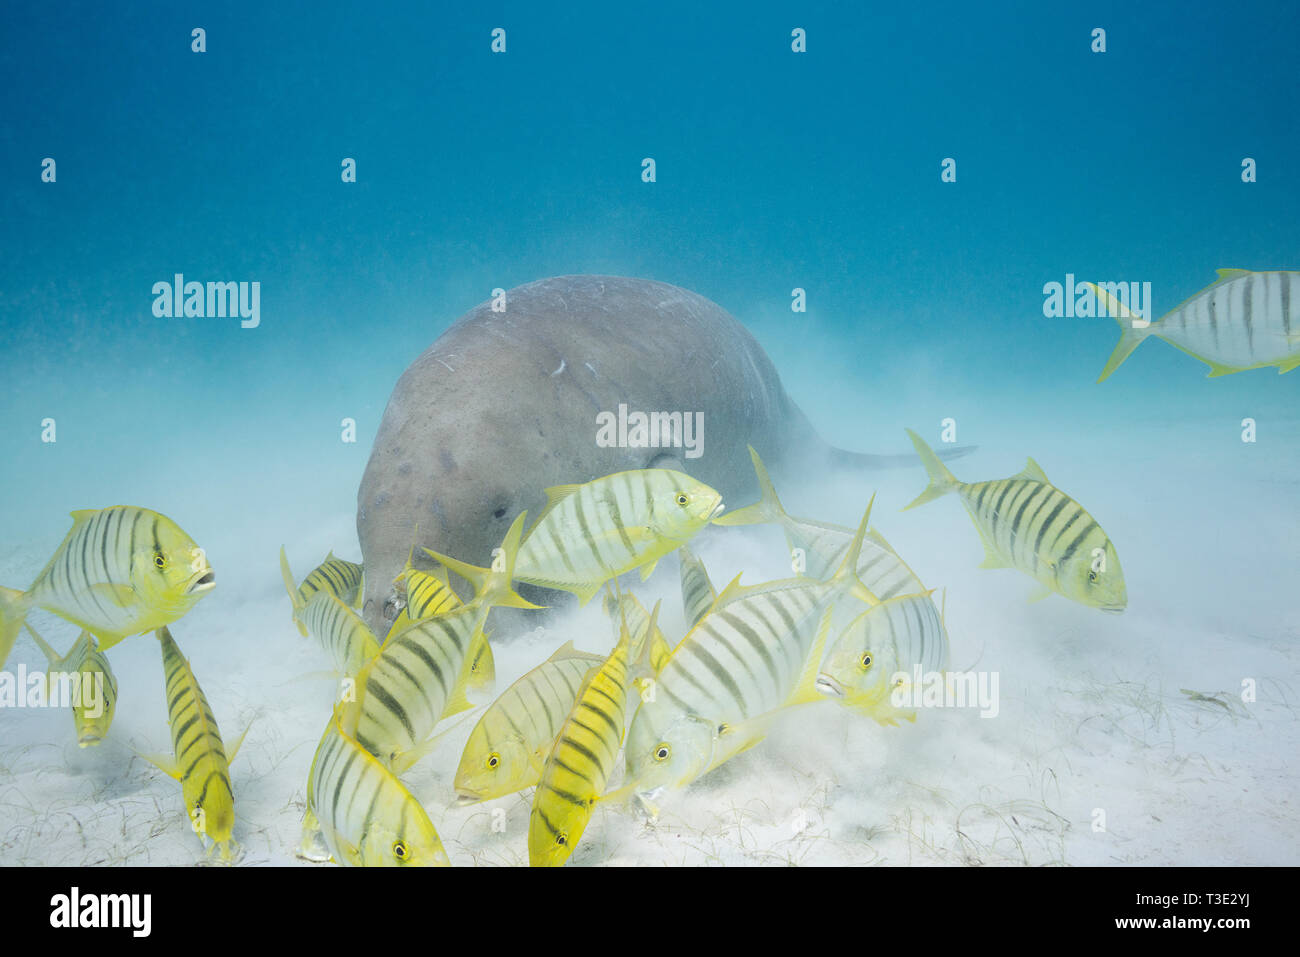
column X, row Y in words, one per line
column 1097, row 755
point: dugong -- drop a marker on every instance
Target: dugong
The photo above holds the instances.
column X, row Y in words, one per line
column 507, row 403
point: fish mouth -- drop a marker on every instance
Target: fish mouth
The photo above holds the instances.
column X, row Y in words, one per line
column 829, row 686
column 466, row 798
column 717, row 510
column 205, row 582
column 1113, row 609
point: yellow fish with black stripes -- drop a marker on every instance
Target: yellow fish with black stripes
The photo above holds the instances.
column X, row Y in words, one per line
column 93, row 685
column 1244, row 320
column 589, row 534
column 1027, row 523
column 338, row 629
column 871, row 663
column 364, row 814
column 586, row 751
column 119, row 571
column 200, row 762
column 335, row 576
column 420, row 674
column 507, row 750
column 427, row 595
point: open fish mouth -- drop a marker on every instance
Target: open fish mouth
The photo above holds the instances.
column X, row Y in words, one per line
column 1113, row 609
column 204, row 582
column 717, row 510
column 466, row 798
column 829, row 686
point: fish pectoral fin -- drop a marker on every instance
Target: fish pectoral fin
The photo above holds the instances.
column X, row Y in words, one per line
column 123, row 596
column 806, row 689
column 1039, row 594
column 648, row 569
column 163, row 763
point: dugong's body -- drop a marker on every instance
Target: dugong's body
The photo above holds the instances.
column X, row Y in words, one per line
column 505, row 404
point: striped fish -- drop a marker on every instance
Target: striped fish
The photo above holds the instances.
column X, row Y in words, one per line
column 340, row 631
column 819, row 547
column 93, row 688
column 420, row 672
column 508, row 747
column 627, row 606
column 200, row 762
column 1027, row 523
column 877, row 652
column 1244, row 320
column 698, row 592
column 754, row 653
column 120, row 571
column 584, row 753
column 427, row 595
column 589, row 534
column 364, row 814
column 334, row 576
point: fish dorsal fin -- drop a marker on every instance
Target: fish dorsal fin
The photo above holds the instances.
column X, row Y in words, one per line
column 554, row 496
column 733, row 591
column 83, row 515
column 567, row 651
column 1032, row 471
column 1226, row 274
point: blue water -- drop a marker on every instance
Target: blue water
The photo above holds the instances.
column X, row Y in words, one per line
column 775, row 170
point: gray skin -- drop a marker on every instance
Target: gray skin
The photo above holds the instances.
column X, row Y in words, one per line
column 505, row 404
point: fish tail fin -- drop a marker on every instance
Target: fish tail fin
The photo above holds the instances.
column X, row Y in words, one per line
column 942, row 481
column 295, row 596
column 767, row 509
column 1132, row 329
column 494, row 585
column 50, row 654
column 14, row 606
column 847, row 574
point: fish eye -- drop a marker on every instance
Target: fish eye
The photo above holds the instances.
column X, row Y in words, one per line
column 400, row 850
column 866, row 661
column 662, row 752
column 159, row 560
column 682, row 498
column 493, row 760
column 1092, row 575
column 561, row 839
